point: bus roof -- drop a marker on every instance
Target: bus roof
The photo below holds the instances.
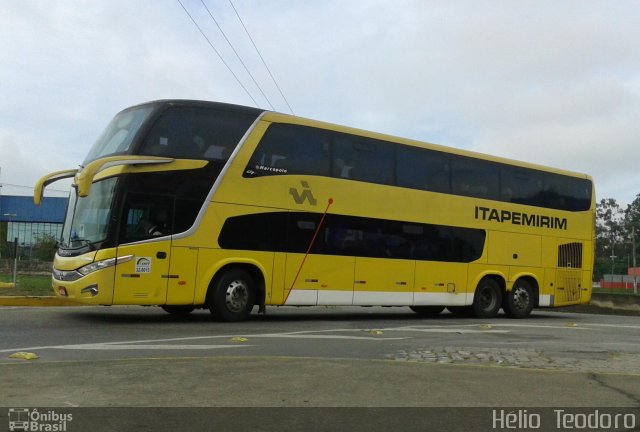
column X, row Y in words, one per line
column 241, row 109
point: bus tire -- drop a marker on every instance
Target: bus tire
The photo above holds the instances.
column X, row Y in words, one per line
column 518, row 303
column 427, row 311
column 233, row 296
column 178, row 309
column 487, row 299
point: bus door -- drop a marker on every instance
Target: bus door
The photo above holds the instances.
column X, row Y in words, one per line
column 145, row 235
column 384, row 270
column 324, row 277
column 442, row 268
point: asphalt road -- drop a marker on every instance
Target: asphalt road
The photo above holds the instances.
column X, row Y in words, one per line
column 316, row 357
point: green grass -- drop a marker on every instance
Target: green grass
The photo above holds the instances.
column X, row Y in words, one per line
column 27, row 285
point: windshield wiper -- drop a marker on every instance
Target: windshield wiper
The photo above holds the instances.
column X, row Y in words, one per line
column 84, row 242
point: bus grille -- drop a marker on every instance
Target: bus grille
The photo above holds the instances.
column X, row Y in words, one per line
column 568, row 289
column 569, row 274
column 570, row 255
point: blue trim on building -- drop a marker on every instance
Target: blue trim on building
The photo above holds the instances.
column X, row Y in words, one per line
column 51, row 210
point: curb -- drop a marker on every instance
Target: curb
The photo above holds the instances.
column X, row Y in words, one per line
column 35, row 301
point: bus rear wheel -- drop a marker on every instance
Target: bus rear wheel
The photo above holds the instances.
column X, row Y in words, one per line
column 427, row 311
column 233, row 296
column 487, row 299
column 518, row 303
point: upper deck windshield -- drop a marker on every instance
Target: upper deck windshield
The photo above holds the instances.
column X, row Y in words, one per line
column 176, row 129
column 119, row 134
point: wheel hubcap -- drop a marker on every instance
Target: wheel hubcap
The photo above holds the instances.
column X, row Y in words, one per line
column 521, row 298
column 237, row 296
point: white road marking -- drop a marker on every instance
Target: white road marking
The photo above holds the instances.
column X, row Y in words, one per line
column 140, row 343
column 445, row 330
column 163, row 344
column 615, row 325
column 533, row 326
column 311, row 336
column 107, row 346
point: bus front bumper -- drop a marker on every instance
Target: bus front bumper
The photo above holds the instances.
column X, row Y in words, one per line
column 95, row 288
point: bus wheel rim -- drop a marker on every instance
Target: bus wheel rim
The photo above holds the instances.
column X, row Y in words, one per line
column 521, row 298
column 237, row 296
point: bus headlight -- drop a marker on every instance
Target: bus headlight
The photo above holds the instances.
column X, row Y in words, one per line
column 99, row 265
column 66, row 276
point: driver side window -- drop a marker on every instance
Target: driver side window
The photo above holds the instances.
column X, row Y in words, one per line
column 146, row 216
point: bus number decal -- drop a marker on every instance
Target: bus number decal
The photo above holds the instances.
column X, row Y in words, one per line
column 143, row 265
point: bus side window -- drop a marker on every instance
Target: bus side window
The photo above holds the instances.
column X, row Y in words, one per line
column 424, row 169
column 290, row 149
column 475, row 178
column 146, row 216
column 363, row 159
column 340, row 169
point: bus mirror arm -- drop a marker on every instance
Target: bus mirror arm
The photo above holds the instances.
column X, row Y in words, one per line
column 84, row 178
column 45, row 181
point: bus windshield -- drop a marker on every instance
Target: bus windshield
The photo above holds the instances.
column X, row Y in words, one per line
column 119, row 134
column 87, row 219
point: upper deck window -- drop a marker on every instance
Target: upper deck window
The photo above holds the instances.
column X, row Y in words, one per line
column 287, row 149
column 195, row 133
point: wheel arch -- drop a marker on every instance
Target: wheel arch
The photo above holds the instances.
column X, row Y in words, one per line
column 499, row 277
column 255, row 270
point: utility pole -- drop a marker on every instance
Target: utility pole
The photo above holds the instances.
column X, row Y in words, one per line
column 15, row 249
column 15, row 261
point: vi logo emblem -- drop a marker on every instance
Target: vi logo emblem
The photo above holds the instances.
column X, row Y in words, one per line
column 306, row 194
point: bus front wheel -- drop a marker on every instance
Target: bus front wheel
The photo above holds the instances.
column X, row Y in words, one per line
column 487, row 299
column 518, row 303
column 233, row 296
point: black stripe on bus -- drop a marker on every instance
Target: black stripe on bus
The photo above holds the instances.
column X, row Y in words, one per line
column 352, row 236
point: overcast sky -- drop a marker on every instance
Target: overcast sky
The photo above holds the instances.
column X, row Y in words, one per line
column 551, row 82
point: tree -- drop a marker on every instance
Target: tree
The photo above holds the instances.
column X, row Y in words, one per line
column 632, row 214
column 44, row 250
column 632, row 221
column 610, row 236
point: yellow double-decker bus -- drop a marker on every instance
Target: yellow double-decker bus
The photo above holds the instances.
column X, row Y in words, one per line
column 190, row 204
